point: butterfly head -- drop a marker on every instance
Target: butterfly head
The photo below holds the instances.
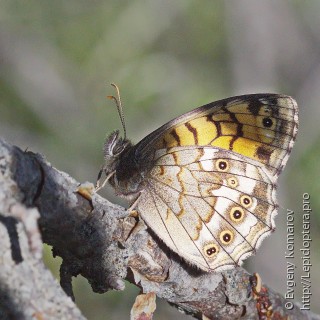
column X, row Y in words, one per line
column 114, row 146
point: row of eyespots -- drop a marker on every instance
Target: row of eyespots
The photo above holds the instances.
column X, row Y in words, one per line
column 223, row 166
column 211, row 249
column 237, row 215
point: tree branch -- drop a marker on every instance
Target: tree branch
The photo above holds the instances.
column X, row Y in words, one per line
column 98, row 240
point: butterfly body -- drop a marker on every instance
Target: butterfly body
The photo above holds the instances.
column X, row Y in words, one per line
column 205, row 182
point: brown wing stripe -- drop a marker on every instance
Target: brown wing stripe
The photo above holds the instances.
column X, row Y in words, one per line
column 239, row 127
column 176, row 136
column 216, row 123
column 193, row 131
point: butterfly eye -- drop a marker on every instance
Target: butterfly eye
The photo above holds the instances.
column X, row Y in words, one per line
column 232, row 182
column 237, row 214
column 226, row 237
column 222, row 165
column 210, row 250
column 246, row 201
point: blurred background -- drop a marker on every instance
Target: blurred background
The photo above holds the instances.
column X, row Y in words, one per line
column 58, row 58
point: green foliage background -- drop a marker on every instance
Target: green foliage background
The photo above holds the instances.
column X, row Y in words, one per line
column 57, row 59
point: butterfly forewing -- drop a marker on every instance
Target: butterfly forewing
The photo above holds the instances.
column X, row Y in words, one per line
column 260, row 126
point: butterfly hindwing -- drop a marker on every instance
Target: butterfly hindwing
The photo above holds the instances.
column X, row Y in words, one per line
column 204, row 208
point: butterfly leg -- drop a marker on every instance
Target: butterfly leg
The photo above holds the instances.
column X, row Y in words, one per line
column 132, row 212
column 98, row 186
column 140, row 225
column 99, row 177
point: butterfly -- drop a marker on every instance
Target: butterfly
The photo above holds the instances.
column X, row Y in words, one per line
column 205, row 182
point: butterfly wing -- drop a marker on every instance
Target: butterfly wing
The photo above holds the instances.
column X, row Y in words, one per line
column 209, row 205
column 261, row 127
column 210, row 193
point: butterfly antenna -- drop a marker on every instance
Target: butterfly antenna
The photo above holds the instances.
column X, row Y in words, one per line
column 117, row 101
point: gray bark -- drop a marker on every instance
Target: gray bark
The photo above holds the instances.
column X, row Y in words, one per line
column 98, row 240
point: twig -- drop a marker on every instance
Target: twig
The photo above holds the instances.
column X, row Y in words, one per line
column 98, row 240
